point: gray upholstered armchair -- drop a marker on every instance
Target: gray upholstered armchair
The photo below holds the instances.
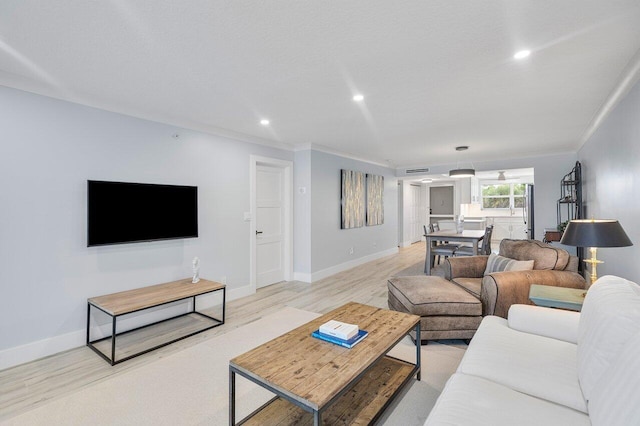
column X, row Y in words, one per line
column 499, row 290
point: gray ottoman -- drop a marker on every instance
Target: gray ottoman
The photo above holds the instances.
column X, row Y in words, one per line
column 447, row 311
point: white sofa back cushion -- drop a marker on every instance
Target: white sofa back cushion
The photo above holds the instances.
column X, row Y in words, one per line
column 610, row 317
column 614, row 401
column 554, row 323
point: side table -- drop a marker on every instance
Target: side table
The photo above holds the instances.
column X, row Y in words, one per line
column 557, row 297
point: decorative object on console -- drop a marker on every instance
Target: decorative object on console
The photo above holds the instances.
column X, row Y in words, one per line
column 196, row 270
column 594, row 233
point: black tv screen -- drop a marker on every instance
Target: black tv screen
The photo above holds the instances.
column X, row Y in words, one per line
column 120, row 212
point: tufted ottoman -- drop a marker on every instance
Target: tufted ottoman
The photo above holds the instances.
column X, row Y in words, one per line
column 447, row 311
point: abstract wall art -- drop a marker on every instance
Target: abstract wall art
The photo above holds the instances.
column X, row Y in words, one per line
column 353, row 199
column 375, row 203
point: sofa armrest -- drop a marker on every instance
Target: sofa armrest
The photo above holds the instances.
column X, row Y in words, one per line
column 500, row 290
column 467, row 267
column 555, row 323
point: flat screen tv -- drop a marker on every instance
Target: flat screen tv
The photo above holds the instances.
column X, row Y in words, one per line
column 120, row 212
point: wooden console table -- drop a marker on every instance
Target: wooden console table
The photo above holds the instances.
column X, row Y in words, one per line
column 126, row 302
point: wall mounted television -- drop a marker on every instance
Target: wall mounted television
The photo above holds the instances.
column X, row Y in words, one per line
column 121, row 212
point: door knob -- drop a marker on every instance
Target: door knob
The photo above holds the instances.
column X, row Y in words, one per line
column 258, row 232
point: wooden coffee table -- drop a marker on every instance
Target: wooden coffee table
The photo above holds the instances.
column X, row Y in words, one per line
column 317, row 382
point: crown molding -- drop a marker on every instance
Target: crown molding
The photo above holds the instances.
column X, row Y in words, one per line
column 326, row 150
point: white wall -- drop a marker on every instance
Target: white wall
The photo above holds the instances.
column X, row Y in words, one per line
column 302, row 215
column 405, row 199
column 611, row 173
column 48, row 151
column 329, row 244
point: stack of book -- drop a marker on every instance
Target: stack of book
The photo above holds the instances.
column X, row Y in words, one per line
column 340, row 333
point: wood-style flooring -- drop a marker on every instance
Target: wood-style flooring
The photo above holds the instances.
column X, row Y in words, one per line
column 33, row 384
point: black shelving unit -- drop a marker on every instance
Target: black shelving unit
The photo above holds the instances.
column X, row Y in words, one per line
column 569, row 206
column 570, row 202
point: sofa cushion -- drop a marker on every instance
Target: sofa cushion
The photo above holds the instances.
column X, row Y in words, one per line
column 539, row 366
column 549, row 322
column 610, row 317
column 614, row 400
column 497, row 263
column 472, row 285
column 471, row 400
column 544, row 255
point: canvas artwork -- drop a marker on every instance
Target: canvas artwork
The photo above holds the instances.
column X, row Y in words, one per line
column 375, row 204
column 353, row 199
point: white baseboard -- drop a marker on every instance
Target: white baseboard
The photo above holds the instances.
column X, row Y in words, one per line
column 302, row 276
column 52, row 345
column 45, row 347
column 237, row 293
column 315, row 276
column 405, row 244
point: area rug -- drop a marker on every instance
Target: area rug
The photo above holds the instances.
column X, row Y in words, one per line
column 418, row 269
column 191, row 387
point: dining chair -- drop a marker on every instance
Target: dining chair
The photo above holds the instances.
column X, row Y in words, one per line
column 436, row 227
column 438, row 250
column 484, row 248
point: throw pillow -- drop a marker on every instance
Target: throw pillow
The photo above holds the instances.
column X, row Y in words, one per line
column 497, row 263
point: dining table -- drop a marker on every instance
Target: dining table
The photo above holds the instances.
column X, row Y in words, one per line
column 451, row 235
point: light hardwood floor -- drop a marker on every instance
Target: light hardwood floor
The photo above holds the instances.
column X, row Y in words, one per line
column 33, row 384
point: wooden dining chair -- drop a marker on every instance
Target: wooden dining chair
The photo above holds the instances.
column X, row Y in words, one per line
column 484, row 248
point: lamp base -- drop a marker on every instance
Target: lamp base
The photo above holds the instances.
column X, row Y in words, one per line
column 594, row 263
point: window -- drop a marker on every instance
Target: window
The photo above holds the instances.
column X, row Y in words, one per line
column 503, row 196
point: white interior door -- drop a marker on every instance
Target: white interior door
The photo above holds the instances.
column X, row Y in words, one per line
column 270, row 260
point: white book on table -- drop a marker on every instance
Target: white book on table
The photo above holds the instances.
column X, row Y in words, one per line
column 341, row 330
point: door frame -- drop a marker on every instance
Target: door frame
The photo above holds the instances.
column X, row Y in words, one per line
column 421, row 207
column 287, row 191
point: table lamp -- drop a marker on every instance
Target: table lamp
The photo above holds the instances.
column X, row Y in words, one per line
column 594, row 233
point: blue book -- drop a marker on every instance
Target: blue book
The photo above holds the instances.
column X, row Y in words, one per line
column 345, row 343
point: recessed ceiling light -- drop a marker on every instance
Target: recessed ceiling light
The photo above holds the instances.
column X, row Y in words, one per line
column 264, row 122
column 358, row 98
column 522, row 54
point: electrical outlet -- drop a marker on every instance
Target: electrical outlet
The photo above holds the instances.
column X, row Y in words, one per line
column 223, row 280
column 351, row 250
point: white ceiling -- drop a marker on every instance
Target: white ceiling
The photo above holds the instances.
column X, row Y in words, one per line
column 435, row 74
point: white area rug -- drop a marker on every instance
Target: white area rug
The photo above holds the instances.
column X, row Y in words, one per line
column 191, row 387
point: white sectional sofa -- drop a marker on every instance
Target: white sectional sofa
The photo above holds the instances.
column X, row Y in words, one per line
column 545, row 366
